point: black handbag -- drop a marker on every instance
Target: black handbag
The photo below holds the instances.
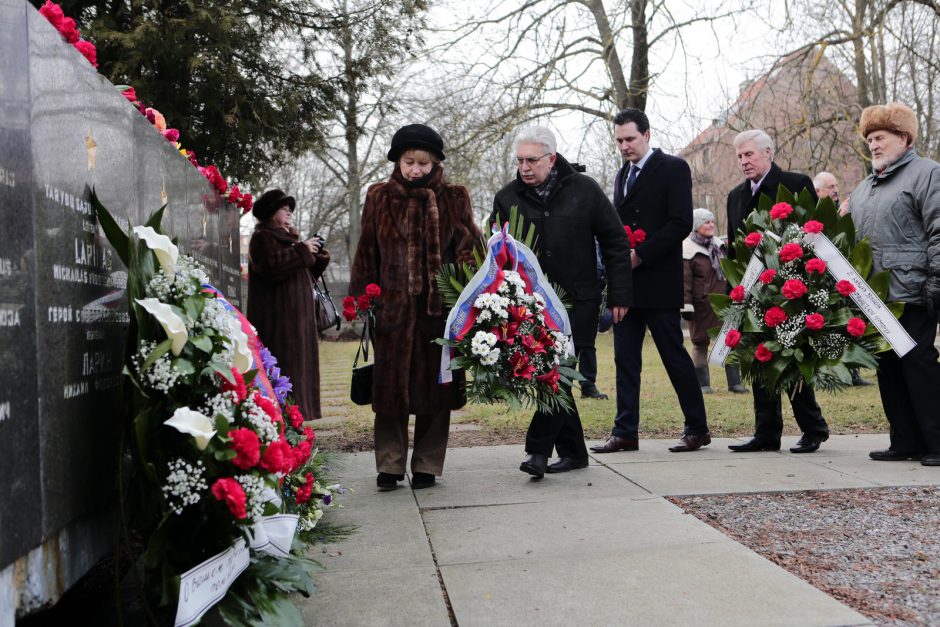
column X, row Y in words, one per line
column 360, row 390
column 327, row 316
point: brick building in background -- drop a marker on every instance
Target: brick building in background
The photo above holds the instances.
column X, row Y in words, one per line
column 810, row 110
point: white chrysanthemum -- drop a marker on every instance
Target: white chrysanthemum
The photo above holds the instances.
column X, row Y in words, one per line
column 484, row 316
column 482, row 342
column 490, row 358
column 184, row 484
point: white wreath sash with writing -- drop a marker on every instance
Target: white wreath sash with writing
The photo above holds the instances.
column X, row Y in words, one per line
column 203, row 586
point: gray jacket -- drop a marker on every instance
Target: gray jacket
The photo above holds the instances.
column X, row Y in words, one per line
column 898, row 210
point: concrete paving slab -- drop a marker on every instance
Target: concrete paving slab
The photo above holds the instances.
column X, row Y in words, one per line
column 404, row 597
column 582, row 529
column 658, row 450
column 509, row 485
column 719, row 583
column 882, row 473
column 738, row 473
column 355, row 465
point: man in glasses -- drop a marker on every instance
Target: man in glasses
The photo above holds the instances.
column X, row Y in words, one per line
column 653, row 196
column 569, row 211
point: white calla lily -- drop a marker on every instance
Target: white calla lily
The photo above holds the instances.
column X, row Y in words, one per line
column 163, row 247
column 173, row 325
column 241, row 360
column 190, row 422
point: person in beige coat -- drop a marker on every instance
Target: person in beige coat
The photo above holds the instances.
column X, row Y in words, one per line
column 701, row 256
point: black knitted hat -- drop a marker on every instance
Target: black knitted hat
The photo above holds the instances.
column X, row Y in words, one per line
column 416, row 136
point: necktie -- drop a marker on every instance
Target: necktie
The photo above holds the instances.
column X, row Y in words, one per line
column 631, row 177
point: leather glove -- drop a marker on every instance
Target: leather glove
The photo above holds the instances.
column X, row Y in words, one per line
column 932, row 295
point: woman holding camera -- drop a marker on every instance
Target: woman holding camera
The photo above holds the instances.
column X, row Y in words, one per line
column 411, row 225
column 281, row 270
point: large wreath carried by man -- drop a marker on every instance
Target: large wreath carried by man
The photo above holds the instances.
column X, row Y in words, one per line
column 805, row 306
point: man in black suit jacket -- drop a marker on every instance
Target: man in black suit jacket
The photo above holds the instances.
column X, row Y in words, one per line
column 755, row 151
column 569, row 211
column 653, row 194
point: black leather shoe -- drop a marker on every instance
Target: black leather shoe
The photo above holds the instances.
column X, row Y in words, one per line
column 421, row 480
column 564, row 464
column 889, row 455
column 387, row 481
column 593, row 392
column 756, row 444
column 930, row 459
column 809, row 443
column 535, row 465
column 690, row 442
column 616, row 443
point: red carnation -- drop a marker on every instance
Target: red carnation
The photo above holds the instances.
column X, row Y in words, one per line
column 732, row 338
column 856, row 327
column 239, row 387
column 296, row 417
column 88, row 51
column 753, row 239
column 845, row 288
column 815, row 321
column 639, row 236
column 793, row 288
column 737, row 294
column 363, row 303
column 277, row 457
column 69, row 30
column 373, row 290
column 130, row 94
column 349, row 302
column 268, row 407
column 550, row 378
column 762, row 354
column 349, row 314
column 813, row 226
column 247, row 448
column 774, row 316
column 816, row 265
column 300, row 454
column 246, row 203
column 52, row 12
column 305, row 491
column 234, row 195
column 228, row 490
column 215, row 177
column 790, row 251
column 171, row 135
column 780, row 211
column 767, row 276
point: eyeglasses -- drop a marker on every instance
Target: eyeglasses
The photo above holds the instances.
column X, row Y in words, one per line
column 530, row 160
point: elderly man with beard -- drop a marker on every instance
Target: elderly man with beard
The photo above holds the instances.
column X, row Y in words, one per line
column 897, row 207
column 569, row 211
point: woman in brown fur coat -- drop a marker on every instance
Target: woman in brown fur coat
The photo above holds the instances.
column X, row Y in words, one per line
column 411, row 224
column 281, row 268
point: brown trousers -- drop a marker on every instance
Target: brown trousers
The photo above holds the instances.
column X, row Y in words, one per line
column 430, row 447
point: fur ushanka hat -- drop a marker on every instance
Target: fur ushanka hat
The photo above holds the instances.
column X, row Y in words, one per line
column 894, row 117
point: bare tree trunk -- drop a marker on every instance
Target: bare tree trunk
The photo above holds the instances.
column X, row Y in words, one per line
column 640, row 65
column 610, row 55
column 351, row 118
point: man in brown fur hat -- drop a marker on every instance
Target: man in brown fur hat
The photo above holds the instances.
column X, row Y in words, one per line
column 897, row 207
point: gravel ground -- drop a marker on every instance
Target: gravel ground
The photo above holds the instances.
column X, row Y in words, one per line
column 876, row 550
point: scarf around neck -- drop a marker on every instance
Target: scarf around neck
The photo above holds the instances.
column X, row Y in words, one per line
column 422, row 220
column 713, row 245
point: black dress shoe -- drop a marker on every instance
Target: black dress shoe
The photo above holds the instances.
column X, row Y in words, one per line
column 756, row 444
column 616, row 443
column 930, row 459
column 535, row 465
column 889, row 455
column 387, row 481
column 593, row 392
column 809, row 443
column 421, row 480
column 564, row 464
column 690, row 442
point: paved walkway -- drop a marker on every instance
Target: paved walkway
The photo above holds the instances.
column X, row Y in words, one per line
column 599, row 546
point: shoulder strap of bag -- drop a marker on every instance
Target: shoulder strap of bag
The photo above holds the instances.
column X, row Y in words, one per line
column 364, row 342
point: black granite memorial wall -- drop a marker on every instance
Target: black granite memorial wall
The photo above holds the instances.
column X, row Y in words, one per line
column 64, row 129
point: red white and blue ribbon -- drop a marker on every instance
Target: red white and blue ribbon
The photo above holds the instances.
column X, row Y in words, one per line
column 501, row 250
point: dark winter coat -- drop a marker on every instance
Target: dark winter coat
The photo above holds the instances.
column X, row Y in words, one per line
column 660, row 203
column 396, row 252
column 567, row 223
column 741, row 202
column 281, row 306
column 700, row 281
